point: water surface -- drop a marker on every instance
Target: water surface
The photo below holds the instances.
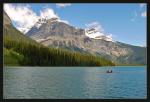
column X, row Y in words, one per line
column 75, row 83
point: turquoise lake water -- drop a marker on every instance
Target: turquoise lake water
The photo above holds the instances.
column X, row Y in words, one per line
column 75, row 83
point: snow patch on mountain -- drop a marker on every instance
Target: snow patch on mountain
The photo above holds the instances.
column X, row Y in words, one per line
column 40, row 22
column 95, row 31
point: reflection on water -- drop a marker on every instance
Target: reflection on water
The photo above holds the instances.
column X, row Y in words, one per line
column 75, row 83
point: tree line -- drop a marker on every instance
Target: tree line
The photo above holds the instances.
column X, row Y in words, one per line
column 38, row 55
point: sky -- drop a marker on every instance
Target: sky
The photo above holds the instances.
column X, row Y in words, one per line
column 124, row 22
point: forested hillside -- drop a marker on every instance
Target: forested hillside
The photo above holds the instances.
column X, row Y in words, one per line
column 20, row 50
column 34, row 55
column 61, row 35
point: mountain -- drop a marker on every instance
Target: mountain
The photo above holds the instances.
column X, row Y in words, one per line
column 11, row 34
column 52, row 28
column 21, row 50
column 57, row 34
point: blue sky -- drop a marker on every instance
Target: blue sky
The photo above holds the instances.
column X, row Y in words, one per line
column 126, row 22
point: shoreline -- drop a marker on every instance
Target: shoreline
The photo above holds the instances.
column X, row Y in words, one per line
column 68, row 66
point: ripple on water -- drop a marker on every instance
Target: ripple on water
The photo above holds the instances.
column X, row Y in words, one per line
column 83, row 83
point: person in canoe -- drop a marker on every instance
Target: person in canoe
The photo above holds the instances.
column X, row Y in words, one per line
column 109, row 71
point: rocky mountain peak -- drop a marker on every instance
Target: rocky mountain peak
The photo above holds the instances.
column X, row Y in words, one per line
column 53, row 33
column 52, row 27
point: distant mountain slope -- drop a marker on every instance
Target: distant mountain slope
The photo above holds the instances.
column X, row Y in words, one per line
column 138, row 54
column 22, row 50
column 10, row 32
column 60, row 35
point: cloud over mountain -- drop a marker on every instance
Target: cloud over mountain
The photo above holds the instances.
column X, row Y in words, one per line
column 48, row 13
column 24, row 17
column 98, row 27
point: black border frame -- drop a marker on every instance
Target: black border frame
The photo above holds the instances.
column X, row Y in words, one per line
column 72, row 1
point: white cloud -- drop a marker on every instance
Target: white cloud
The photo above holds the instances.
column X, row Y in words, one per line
column 138, row 13
column 100, row 34
column 48, row 13
column 63, row 4
column 143, row 14
column 23, row 16
column 96, row 25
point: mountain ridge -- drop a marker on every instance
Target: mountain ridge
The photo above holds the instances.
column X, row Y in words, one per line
column 60, row 35
column 20, row 50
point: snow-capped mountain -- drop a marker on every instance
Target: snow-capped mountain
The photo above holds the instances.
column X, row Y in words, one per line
column 99, row 35
column 40, row 22
column 53, row 33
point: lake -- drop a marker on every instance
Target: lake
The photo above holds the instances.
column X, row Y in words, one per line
column 75, row 83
